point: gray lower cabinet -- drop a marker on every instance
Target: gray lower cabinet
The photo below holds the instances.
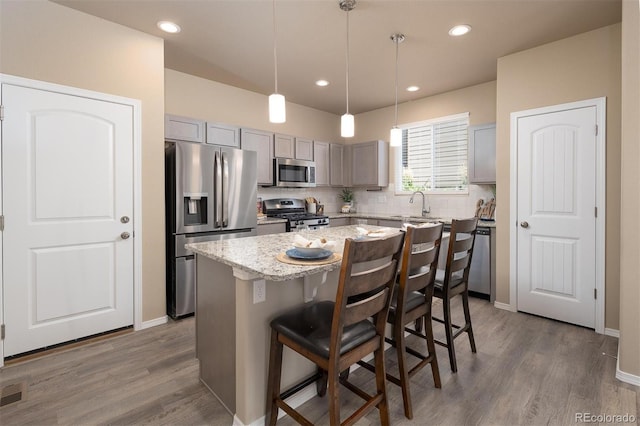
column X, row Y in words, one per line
column 262, row 143
column 390, row 223
column 271, row 228
column 341, row 221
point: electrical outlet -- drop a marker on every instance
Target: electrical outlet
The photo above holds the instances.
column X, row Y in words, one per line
column 259, row 291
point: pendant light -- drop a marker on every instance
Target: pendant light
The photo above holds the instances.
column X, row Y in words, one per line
column 347, row 126
column 277, row 111
column 395, row 139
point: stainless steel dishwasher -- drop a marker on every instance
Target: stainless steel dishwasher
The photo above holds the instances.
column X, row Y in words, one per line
column 480, row 272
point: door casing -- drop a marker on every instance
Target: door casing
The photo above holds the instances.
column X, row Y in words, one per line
column 600, row 104
column 137, row 184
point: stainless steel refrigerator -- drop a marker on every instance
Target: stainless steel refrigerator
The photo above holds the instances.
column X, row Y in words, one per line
column 210, row 194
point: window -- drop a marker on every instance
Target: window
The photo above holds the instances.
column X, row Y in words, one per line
column 434, row 156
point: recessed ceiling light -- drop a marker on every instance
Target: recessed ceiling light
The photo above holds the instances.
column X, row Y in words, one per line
column 169, row 27
column 322, row 83
column 413, row 89
column 459, row 30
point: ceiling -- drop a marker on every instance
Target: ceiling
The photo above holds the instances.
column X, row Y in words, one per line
column 231, row 41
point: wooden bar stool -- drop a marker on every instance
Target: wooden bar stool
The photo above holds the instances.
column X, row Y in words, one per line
column 336, row 335
column 411, row 303
column 453, row 281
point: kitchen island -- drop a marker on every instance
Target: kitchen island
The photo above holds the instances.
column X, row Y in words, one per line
column 232, row 323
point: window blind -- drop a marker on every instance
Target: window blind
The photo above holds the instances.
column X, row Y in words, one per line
column 434, row 155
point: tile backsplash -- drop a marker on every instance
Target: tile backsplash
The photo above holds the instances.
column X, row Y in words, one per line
column 386, row 202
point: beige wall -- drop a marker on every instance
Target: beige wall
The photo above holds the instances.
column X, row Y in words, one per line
column 629, row 346
column 44, row 41
column 479, row 101
column 196, row 97
column 582, row 67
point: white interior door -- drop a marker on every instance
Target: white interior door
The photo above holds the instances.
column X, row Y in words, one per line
column 68, row 208
column 556, row 201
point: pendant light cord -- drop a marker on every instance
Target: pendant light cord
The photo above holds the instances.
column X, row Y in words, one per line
column 347, row 62
column 275, row 55
column 397, row 41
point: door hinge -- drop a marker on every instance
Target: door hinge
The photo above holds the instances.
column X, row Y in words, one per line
column 596, row 130
column 1, row 112
column 595, row 211
column 595, row 293
column 2, row 332
column 1, row 223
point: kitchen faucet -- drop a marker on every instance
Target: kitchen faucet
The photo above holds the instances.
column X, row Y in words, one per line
column 425, row 210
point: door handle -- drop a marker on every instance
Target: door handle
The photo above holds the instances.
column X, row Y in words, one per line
column 524, row 224
column 125, row 235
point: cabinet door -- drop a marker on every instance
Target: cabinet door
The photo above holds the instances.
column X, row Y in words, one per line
column 271, row 228
column 283, row 146
column 262, row 143
column 347, row 179
column 369, row 164
column 335, row 166
column 342, row 221
column 183, row 129
column 221, row 134
column 304, row 149
column 390, row 223
column 321, row 155
column 482, row 153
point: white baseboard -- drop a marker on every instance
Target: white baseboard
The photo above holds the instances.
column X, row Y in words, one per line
column 626, row 377
column 504, row 306
column 154, row 322
column 612, row 332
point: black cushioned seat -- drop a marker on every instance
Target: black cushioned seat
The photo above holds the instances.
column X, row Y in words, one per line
column 310, row 327
column 414, row 299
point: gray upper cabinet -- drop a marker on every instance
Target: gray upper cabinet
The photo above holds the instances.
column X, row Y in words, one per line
column 284, row 146
column 336, row 155
column 370, row 164
column 304, row 149
column 262, row 143
column 482, row 153
column 322, row 160
column 183, row 129
column 222, row 134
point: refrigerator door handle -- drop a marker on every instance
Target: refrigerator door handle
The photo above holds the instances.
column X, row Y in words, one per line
column 218, row 191
column 225, row 190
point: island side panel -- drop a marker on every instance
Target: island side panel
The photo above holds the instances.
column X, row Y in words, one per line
column 216, row 329
column 253, row 339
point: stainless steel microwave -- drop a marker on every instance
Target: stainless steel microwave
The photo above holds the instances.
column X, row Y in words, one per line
column 294, row 173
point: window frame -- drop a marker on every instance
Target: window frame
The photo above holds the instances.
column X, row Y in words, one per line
column 398, row 156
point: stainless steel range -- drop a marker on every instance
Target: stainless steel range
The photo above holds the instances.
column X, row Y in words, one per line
column 293, row 209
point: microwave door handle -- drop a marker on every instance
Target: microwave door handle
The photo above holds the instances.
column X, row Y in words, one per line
column 218, row 190
column 308, row 174
column 225, row 190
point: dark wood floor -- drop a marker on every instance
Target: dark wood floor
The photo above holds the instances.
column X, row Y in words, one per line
column 528, row 371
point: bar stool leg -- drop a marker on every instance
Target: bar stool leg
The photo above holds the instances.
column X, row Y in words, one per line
column 402, row 368
column 446, row 308
column 467, row 319
column 381, row 383
column 334, row 396
column 431, row 349
column 275, row 370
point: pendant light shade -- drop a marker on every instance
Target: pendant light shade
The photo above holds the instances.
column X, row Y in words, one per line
column 395, row 138
column 277, row 109
column 347, row 125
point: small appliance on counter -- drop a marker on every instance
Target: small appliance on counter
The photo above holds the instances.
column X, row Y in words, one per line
column 295, row 211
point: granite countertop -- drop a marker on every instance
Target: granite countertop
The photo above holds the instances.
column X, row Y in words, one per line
column 403, row 218
column 256, row 256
